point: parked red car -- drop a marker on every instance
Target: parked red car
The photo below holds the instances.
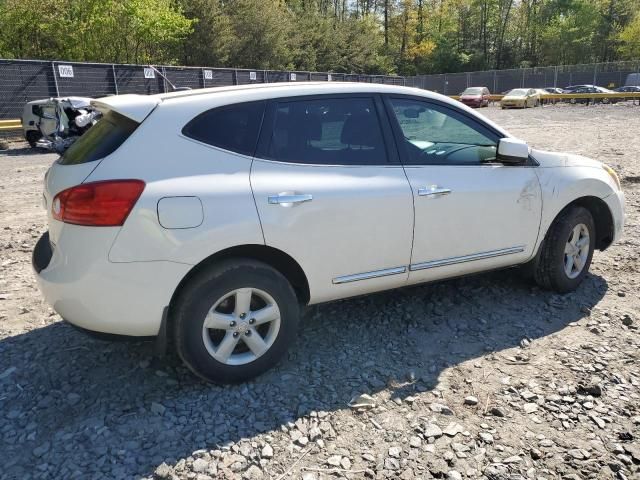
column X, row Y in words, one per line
column 475, row 97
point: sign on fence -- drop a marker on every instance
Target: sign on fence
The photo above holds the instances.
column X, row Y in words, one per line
column 149, row 72
column 65, row 71
column 208, row 74
column 292, row 77
column 329, row 78
column 252, row 76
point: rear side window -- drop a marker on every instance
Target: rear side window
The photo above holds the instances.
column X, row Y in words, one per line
column 233, row 127
column 332, row 131
column 104, row 138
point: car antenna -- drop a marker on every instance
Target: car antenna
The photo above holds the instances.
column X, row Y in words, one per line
column 173, row 87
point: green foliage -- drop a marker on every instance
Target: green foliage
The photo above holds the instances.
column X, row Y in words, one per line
column 630, row 40
column 131, row 31
column 363, row 36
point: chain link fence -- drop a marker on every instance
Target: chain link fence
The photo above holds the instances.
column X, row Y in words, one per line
column 22, row 81
column 609, row 75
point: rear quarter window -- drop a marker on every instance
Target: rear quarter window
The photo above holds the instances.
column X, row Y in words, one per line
column 232, row 127
column 104, row 138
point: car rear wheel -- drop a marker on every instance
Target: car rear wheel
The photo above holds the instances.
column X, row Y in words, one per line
column 567, row 251
column 235, row 320
column 32, row 136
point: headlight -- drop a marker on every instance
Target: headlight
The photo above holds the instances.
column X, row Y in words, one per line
column 612, row 173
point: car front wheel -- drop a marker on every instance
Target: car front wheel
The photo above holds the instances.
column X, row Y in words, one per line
column 567, row 251
column 235, row 320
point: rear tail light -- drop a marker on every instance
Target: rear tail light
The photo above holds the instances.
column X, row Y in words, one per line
column 97, row 204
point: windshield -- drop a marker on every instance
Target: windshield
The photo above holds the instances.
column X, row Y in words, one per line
column 473, row 91
column 518, row 92
column 104, row 138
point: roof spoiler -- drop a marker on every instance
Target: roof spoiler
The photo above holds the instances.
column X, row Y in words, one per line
column 135, row 107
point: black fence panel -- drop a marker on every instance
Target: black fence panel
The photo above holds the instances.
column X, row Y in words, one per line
column 300, row 76
column 482, row 79
column 320, row 77
column 247, row 77
column 22, row 82
column 84, row 80
column 277, row 76
column 218, row 77
column 532, row 79
column 131, row 79
column 455, row 83
column 508, row 80
column 183, row 77
column 435, row 83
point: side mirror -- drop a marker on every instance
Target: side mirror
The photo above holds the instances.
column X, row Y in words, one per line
column 512, row 151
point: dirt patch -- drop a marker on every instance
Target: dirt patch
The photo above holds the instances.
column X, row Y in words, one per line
column 481, row 377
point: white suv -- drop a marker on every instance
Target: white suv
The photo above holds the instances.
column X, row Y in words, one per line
column 208, row 218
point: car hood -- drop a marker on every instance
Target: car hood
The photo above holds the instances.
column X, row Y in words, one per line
column 512, row 97
column 471, row 97
column 556, row 159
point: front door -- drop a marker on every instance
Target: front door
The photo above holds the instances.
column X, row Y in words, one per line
column 471, row 213
column 331, row 194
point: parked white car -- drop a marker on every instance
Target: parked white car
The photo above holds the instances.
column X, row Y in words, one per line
column 208, row 218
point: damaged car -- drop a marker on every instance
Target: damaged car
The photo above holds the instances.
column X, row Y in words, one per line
column 55, row 123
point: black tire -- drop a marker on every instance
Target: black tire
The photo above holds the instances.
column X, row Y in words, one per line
column 32, row 137
column 204, row 290
column 550, row 271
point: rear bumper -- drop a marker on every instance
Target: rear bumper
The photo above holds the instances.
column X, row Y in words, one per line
column 87, row 290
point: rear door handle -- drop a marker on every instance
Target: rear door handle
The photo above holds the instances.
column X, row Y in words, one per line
column 284, row 199
column 433, row 191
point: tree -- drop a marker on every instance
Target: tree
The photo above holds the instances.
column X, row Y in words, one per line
column 629, row 39
column 131, row 31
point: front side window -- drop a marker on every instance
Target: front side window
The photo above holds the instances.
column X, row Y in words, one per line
column 437, row 135
column 232, row 127
column 332, row 131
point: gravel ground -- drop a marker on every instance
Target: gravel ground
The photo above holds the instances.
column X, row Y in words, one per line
column 483, row 377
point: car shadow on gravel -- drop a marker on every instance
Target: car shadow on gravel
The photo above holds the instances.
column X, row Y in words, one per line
column 24, row 151
column 70, row 403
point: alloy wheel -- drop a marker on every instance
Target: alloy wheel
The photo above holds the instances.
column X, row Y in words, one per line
column 576, row 250
column 241, row 326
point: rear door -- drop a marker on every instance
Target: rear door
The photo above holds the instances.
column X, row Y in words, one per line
column 331, row 193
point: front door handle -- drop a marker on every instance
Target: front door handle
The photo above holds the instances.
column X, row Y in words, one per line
column 433, row 191
column 285, row 199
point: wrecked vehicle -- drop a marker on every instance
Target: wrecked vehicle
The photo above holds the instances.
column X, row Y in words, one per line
column 55, row 123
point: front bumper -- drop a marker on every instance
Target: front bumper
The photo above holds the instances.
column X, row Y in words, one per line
column 615, row 202
column 511, row 104
column 92, row 293
column 472, row 103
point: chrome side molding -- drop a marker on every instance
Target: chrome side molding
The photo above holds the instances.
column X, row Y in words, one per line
column 368, row 275
column 424, row 265
column 466, row 258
